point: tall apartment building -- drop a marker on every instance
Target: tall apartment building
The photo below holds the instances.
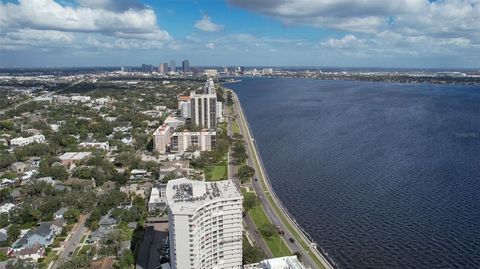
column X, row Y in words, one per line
column 173, row 67
column 185, row 141
column 185, row 66
column 205, row 224
column 163, row 68
column 209, row 87
column 203, row 110
column 184, row 106
column 161, row 138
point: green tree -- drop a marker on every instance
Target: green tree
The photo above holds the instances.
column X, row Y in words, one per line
column 249, row 201
column 4, row 220
column 58, row 172
column 20, row 264
column 110, row 244
column 245, row 172
column 72, row 215
column 268, row 230
column 3, row 256
column 251, row 254
column 126, row 260
column 13, row 232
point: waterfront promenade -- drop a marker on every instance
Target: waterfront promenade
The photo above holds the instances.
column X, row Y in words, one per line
column 273, row 207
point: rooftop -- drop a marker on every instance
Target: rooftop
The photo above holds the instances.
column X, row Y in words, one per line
column 185, row 195
column 75, row 156
column 162, row 129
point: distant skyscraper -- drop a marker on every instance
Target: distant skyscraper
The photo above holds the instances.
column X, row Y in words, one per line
column 205, row 224
column 185, row 66
column 163, row 68
column 173, row 68
column 146, row 68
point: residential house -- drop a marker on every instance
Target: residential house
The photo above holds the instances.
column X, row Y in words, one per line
column 3, row 235
column 107, row 222
column 6, row 208
column 43, row 234
column 34, row 252
column 138, row 174
column 133, row 189
column 60, row 213
column 5, row 183
column 177, row 168
column 19, row 167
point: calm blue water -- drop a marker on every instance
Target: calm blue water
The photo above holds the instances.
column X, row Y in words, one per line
column 380, row 175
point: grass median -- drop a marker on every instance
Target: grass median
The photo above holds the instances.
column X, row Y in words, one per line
column 274, row 242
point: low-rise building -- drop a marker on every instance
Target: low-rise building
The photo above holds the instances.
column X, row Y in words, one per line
column 3, row 235
column 96, row 145
column 81, row 99
column 133, row 189
column 59, row 214
column 193, row 141
column 19, row 167
column 107, row 222
column 287, row 262
column 35, row 252
column 176, row 168
column 138, row 174
column 6, row 208
column 157, row 199
column 5, row 183
column 71, row 157
column 23, row 141
column 43, row 234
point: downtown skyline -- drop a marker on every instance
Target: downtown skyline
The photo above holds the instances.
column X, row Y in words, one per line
column 406, row 33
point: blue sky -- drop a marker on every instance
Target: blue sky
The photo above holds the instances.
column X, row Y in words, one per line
column 345, row 33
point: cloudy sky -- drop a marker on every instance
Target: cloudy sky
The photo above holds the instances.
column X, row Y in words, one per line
column 346, row 33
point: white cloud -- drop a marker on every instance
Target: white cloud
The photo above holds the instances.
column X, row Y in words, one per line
column 348, row 41
column 443, row 19
column 206, row 24
column 210, row 45
column 47, row 23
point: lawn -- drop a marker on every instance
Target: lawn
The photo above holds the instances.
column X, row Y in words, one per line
column 83, row 238
column 275, row 243
column 51, row 256
column 216, row 172
column 235, row 127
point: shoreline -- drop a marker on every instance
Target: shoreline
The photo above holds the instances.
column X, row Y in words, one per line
column 289, row 221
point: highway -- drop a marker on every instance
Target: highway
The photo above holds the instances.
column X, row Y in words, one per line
column 255, row 162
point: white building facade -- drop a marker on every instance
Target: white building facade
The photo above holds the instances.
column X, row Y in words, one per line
column 205, row 224
column 23, row 141
column 203, row 109
column 191, row 141
column 161, row 138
